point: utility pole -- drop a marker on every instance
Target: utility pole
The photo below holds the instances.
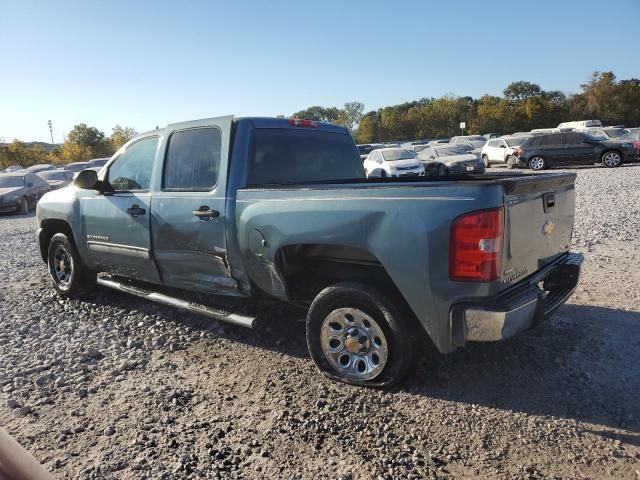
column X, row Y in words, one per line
column 50, row 130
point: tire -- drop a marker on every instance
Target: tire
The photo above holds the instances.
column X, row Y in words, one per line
column 611, row 159
column 443, row 171
column 486, row 161
column 537, row 163
column 511, row 162
column 383, row 174
column 68, row 272
column 24, row 206
column 357, row 336
column 431, row 170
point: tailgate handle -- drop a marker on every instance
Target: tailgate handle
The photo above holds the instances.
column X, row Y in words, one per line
column 548, row 201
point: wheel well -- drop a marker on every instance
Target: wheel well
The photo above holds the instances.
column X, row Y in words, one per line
column 49, row 229
column 611, row 150
column 308, row 268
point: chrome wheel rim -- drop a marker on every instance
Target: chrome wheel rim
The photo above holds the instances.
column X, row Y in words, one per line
column 354, row 344
column 612, row 159
column 62, row 267
column 536, row 163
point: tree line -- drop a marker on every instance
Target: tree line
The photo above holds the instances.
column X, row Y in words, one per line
column 82, row 143
column 522, row 107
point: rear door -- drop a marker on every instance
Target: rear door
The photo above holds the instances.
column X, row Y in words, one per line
column 116, row 223
column 552, row 148
column 188, row 220
column 539, row 213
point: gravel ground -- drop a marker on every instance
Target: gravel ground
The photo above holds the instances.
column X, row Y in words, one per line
column 116, row 387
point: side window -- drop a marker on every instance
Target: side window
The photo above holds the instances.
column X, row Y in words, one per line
column 193, row 160
column 374, row 156
column 132, row 169
column 551, row 140
column 572, row 139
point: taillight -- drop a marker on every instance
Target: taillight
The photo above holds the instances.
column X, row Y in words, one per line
column 301, row 122
column 519, row 152
column 475, row 246
column 636, row 145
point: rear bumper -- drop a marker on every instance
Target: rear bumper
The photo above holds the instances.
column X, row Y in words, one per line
column 519, row 308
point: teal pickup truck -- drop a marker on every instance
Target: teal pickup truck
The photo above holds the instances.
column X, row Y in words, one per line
column 281, row 208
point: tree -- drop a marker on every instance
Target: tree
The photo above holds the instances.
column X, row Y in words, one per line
column 368, row 129
column 319, row 114
column 351, row 115
column 90, row 137
column 121, row 135
column 520, row 91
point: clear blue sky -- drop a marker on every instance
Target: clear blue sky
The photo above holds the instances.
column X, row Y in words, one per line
column 144, row 64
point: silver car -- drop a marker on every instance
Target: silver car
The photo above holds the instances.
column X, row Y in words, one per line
column 449, row 159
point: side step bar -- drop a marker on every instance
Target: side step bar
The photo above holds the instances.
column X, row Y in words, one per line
column 218, row 314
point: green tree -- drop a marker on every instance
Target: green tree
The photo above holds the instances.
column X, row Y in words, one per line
column 91, row 138
column 351, row 114
column 121, row 135
column 368, row 129
column 520, row 91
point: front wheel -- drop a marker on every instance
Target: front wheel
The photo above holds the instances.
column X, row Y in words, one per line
column 537, row 163
column 67, row 270
column 611, row 159
column 486, row 161
column 24, row 206
column 355, row 335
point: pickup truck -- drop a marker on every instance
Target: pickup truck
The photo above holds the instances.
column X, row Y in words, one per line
column 281, row 208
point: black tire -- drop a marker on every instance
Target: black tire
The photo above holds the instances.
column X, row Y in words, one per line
column 537, row 163
column 611, row 159
column 397, row 337
column 443, row 171
column 431, row 170
column 68, row 272
column 486, row 161
column 383, row 174
column 512, row 161
column 24, row 206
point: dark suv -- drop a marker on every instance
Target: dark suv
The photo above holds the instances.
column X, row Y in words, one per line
column 571, row 148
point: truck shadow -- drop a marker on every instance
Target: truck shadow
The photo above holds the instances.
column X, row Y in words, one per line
column 583, row 364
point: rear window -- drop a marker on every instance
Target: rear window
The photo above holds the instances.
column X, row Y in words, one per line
column 283, row 156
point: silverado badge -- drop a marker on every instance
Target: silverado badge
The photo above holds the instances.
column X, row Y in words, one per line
column 547, row 228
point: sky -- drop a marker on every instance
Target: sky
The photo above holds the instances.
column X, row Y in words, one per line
column 143, row 64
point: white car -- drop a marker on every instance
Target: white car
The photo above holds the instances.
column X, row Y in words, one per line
column 497, row 150
column 393, row 162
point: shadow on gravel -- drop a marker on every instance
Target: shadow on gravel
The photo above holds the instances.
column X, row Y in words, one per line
column 583, row 364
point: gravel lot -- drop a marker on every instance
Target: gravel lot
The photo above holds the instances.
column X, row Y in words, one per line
column 115, row 387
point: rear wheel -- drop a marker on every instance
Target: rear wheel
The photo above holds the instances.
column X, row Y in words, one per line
column 485, row 159
column 383, row 174
column 355, row 335
column 67, row 270
column 442, row 171
column 611, row 159
column 537, row 163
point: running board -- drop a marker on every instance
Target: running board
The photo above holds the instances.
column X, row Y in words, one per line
column 211, row 312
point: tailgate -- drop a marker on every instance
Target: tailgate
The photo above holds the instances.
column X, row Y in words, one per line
column 539, row 211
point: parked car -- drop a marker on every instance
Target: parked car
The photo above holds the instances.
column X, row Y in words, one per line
column 497, row 150
column 633, row 136
column 392, row 162
column 604, row 132
column 98, row 162
column 365, row 149
column 76, row 167
column 581, row 124
column 258, row 207
column 477, row 141
column 57, row 178
column 20, row 191
column 440, row 141
column 40, row 168
column 449, row 159
column 13, row 168
column 489, row 136
column 545, row 151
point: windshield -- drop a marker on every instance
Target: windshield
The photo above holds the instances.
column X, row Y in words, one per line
column 633, row 135
column 54, row 175
column 364, row 149
column 616, row 132
column 78, row 167
column 419, row 148
column 11, row 181
column 515, row 141
column 397, row 154
column 447, row 151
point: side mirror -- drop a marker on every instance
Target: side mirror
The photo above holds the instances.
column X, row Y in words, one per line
column 87, row 180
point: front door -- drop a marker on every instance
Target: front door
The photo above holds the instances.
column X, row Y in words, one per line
column 578, row 149
column 116, row 222
column 188, row 221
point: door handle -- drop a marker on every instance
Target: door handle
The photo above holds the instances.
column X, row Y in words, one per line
column 135, row 210
column 205, row 213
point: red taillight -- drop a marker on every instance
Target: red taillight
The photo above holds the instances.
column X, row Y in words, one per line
column 475, row 246
column 636, row 145
column 301, row 122
column 519, row 152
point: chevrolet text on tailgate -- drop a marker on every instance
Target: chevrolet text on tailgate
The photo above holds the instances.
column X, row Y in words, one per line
column 281, row 209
